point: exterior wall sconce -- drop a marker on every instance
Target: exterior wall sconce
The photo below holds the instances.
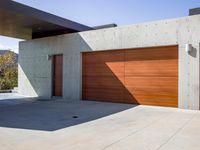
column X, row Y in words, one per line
column 188, row 48
column 49, row 57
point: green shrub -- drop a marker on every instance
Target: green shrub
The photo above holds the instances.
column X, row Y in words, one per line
column 8, row 71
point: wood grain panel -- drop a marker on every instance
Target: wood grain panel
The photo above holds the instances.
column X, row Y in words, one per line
column 103, row 82
column 104, row 94
column 151, row 76
column 154, row 53
column 103, row 56
column 146, row 76
column 156, row 68
column 147, row 90
column 104, row 69
column 57, row 75
column 103, row 76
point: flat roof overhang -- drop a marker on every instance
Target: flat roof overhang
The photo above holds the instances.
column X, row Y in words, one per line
column 24, row 22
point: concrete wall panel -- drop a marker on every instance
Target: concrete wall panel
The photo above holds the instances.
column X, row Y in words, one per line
column 35, row 69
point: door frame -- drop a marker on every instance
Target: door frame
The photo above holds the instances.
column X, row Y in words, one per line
column 52, row 75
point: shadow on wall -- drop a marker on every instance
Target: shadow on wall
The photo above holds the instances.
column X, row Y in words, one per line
column 35, row 70
column 25, row 85
column 54, row 115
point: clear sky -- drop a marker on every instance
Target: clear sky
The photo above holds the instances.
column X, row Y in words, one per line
column 99, row 12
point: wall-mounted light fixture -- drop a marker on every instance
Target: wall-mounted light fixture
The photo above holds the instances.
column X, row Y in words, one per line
column 49, row 57
column 188, row 48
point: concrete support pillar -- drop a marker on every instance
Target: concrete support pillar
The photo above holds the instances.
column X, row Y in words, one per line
column 189, row 77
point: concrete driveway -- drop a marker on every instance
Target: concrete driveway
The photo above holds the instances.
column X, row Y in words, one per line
column 63, row 125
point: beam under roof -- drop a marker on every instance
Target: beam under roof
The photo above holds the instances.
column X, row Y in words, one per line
column 24, row 22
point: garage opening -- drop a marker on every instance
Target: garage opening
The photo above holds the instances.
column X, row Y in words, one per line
column 147, row 76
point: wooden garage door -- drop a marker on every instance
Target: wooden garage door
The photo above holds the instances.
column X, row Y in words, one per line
column 146, row 76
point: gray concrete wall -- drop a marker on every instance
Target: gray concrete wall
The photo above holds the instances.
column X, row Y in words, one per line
column 35, row 69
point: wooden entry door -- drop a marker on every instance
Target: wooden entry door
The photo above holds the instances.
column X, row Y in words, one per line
column 58, row 75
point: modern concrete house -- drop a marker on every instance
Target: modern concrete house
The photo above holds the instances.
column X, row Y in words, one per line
column 154, row 63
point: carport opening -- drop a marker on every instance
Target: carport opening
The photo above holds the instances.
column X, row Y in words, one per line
column 8, row 64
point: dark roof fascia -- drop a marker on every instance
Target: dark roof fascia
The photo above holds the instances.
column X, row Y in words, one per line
column 41, row 15
column 194, row 11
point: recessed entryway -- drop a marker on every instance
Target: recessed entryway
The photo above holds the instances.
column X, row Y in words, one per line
column 147, row 76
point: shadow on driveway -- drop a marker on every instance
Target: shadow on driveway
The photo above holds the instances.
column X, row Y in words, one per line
column 53, row 115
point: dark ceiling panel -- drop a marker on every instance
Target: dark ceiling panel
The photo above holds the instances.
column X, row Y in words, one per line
column 24, row 22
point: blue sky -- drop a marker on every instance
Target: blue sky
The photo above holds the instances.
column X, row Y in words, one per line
column 99, row 12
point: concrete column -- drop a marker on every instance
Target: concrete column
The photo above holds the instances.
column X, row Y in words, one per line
column 189, row 77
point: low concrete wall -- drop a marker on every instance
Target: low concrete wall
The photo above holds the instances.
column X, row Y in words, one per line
column 35, row 68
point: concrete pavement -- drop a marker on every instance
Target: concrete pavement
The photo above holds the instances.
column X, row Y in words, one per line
column 99, row 126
